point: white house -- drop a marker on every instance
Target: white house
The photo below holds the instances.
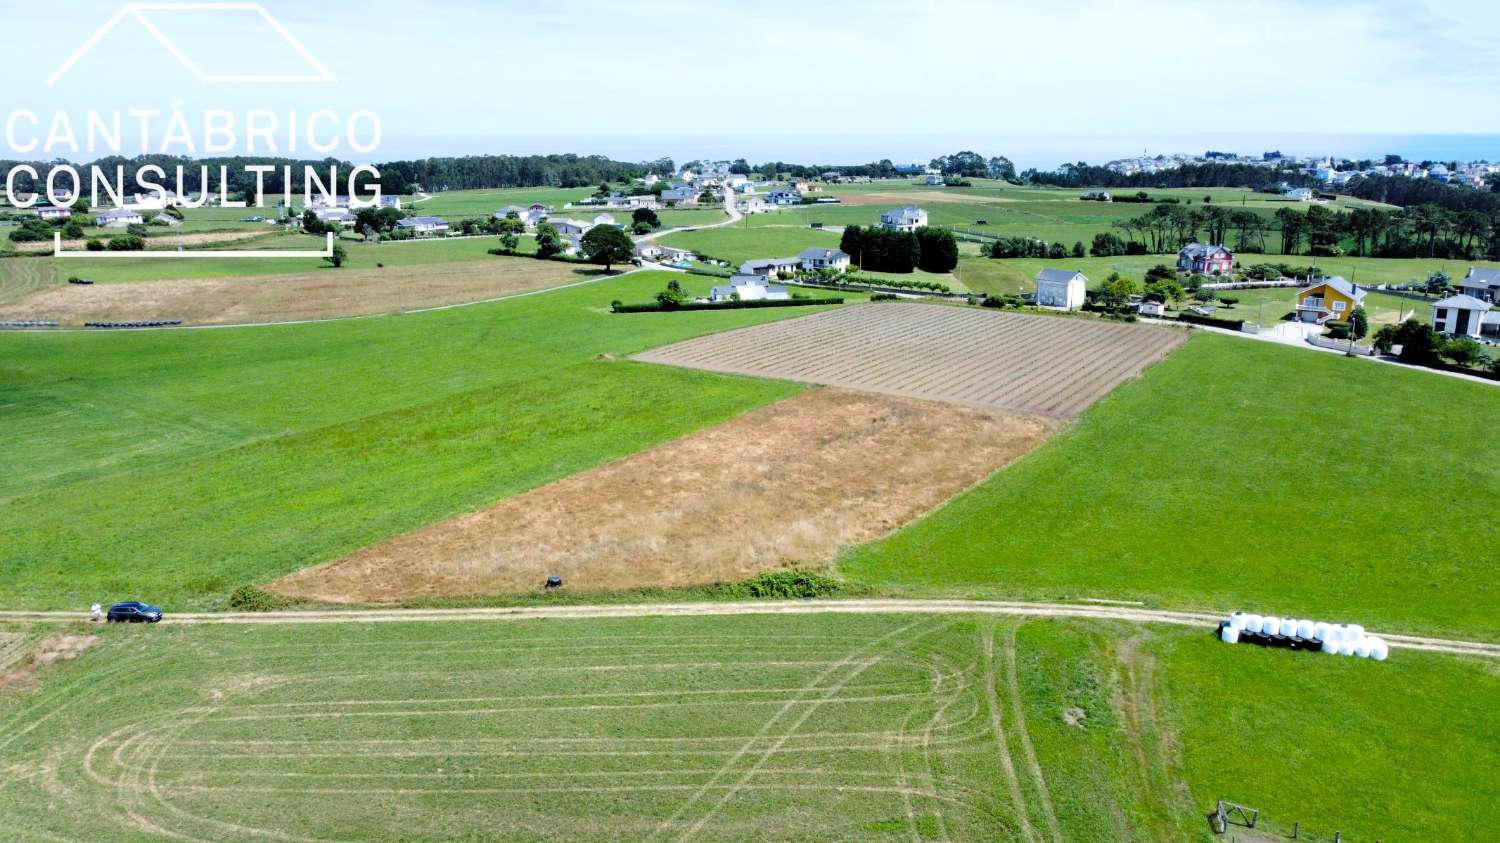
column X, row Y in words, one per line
column 1151, row 308
column 1460, row 315
column 909, row 218
column 119, row 218
column 816, row 259
column 676, row 256
column 424, row 227
column 337, row 216
column 934, row 180
column 1061, row 288
column 679, row 195
column 1482, row 284
column 770, row 267
column 755, row 205
column 604, row 219
column 749, row 288
column 647, row 250
column 570, row 228
column 53, row 212
column 1298, row 194
column 784, row 197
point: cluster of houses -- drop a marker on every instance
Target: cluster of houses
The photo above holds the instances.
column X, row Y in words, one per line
column 1327, row 169
column 571, row 229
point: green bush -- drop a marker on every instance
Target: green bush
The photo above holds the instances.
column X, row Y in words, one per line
column 785, row 585
column 250, row 598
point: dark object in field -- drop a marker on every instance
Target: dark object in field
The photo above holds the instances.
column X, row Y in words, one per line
column 815, row 225
column 133, row 611
column 554, row 582
column 157, row 323
column 981, row 222
column 76, row 280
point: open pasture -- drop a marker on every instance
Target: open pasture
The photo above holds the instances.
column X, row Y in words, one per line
column 181, row 464
column 752, row 728
column 1039, row 365
column 1238, row 472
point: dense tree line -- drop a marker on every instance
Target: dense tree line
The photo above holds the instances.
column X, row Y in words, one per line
column 882, row 250
column 1083, row 174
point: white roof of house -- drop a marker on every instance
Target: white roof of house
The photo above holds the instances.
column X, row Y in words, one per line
column 1462, row 302
column 748, row 267
column 907, row 213
column 413, row 222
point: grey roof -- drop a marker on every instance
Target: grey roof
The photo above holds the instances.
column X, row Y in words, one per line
column 413, row 222
column 823, row 254
column 1059, row 275
column 1343, row 286
column 721, row 291
column 767, row 262
column 909, row 212
column 775, row 288
column 119, row 212
column 1479, row 276
column 1462, row 302
column 1199, row 250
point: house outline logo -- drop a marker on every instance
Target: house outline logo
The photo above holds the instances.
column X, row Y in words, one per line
column 140, row 11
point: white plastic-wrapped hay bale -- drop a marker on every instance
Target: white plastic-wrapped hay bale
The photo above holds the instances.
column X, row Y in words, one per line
column 1229, row 635
column 1270, row 625
column 1237, row 621
column 1305, row 630
column 1334, row 635
column 1379, row 650
column 1252, row 624
column 1330, row 647
column 1362, row 649
column 1346, row 647
column 1354, row 631
column 1320, row 631
column 1288, row 627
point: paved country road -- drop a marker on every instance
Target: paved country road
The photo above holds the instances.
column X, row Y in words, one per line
column 767, row 607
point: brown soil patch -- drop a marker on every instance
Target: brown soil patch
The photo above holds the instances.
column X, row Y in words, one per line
column 202, row 238
column 956, row 197
column 318, row 294
column 792, row 482
column 58, row 648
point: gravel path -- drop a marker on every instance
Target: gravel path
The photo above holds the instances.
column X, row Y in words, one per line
column 798, row 607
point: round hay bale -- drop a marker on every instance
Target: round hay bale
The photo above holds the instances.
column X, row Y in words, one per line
column 1229, row 635
column 1320, row 631
column 1362, row 649
column 1379, row 650
column 1330, row 647
column 1346, row 647
column 1305, row 630
column 1237, row 621
column 1252, row 624
column 1288, row 628
column 1270, row 625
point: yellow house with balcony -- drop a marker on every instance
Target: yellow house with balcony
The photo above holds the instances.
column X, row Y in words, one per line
column 1330, row 299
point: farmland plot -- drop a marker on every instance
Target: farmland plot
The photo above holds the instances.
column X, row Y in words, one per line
column 1039, row 365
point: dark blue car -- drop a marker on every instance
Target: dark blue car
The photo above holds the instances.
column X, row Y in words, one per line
column 134, row 612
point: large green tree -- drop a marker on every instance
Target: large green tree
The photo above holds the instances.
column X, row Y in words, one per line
column 608, row 245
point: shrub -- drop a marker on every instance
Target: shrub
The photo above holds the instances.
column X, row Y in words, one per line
column 250, row 598
column 884, row 297
column 784, row 585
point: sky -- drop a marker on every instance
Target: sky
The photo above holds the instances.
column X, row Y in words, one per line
column 1050, row 78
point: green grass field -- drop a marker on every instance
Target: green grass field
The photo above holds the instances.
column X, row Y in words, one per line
column 819, row 727
column 1239, row 474
column 182, row 464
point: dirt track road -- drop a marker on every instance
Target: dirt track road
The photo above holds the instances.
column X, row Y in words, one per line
column 798, row 607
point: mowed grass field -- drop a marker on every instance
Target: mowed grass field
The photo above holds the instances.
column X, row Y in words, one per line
column 814, row 727
column 179, row 465
column 1240, row 474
